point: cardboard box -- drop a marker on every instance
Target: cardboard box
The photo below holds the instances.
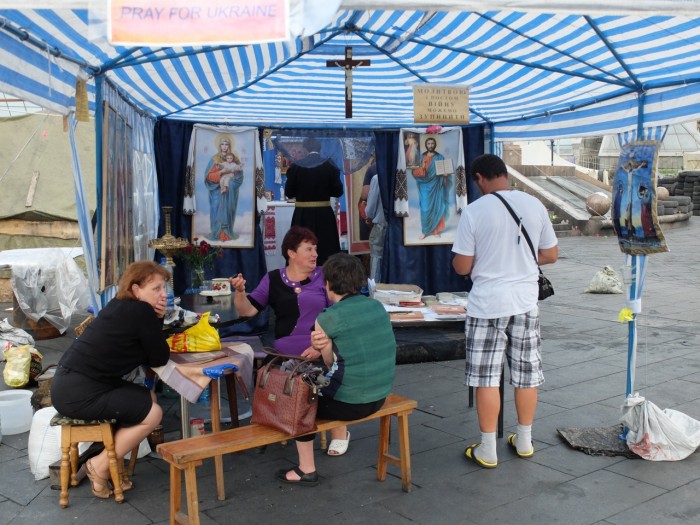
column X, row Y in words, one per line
column 398, row 293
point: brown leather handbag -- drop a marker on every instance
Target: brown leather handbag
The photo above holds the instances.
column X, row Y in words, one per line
column 285, row 399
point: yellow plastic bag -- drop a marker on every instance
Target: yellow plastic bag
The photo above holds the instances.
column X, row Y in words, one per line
column 201, row 337
column 19, row 360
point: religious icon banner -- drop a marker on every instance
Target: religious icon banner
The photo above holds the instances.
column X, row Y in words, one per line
column 634, row 200
column 222, row 186
column 431, row 187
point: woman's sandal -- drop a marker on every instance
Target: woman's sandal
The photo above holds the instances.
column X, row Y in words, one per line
column 306, row 480
column 338, row 447
column 96, row 480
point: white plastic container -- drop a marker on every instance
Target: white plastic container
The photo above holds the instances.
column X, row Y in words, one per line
column 15, row 411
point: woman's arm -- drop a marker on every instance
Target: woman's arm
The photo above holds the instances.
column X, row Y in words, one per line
column 322, row 343
column 240, row 299
column 153, row 340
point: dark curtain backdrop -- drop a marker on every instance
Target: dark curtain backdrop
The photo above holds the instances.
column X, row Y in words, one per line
column 429, row 267
column 172, row 139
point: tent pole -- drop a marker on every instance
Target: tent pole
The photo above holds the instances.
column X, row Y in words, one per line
column 99, row 117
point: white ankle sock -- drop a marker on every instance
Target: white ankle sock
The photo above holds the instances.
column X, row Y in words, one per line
column 523, row 438
column 487, row 448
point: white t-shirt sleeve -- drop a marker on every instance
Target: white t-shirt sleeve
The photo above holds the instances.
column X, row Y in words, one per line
column 464, row 239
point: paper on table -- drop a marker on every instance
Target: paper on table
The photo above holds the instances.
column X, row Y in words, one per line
column 391, row 308
column 186, row 377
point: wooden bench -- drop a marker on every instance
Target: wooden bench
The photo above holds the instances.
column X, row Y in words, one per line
column 187, row 454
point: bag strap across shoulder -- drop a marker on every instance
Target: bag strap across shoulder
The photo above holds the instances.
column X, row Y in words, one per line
column 519, row 222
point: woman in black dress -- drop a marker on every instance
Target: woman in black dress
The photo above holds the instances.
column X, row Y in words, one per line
column 312, row 181
column 126, row 334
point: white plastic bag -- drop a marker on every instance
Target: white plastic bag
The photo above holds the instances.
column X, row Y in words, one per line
column 44, row 447
column 606, row 280
column 659, row 435
column 15, row 336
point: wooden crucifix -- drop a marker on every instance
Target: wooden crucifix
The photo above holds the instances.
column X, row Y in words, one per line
column 348, row 64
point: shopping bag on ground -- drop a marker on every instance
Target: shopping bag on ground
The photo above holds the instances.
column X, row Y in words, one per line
column 202, row 337
column 659, row 435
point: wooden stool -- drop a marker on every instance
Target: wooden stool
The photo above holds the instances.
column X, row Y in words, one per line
column 74, row 431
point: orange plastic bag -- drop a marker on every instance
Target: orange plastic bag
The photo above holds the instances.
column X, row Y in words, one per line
column 202, row 337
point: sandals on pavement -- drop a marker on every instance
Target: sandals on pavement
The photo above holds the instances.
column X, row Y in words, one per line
column 98, row 485
column 338, row 447
column 306, row 480
column 511, row 444
column 470, row 456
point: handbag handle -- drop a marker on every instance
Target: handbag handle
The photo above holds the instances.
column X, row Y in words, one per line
column 519, row 222
column 289, row 384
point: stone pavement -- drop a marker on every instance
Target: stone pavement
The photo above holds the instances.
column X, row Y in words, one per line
column 585, row 352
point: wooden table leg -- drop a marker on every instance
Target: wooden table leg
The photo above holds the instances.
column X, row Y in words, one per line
column 216, row 427
column 232, row 399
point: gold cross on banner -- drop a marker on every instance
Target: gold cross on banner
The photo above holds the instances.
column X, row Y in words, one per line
column 348, row 64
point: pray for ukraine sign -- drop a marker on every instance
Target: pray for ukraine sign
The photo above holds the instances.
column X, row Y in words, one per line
column 197, row 22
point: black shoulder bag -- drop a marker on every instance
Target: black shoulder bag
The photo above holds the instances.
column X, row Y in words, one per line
column 545, row 287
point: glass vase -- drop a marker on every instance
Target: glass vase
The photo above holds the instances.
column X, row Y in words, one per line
column 197, row 279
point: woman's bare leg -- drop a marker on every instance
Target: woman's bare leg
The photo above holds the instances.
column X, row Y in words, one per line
column 126, row 439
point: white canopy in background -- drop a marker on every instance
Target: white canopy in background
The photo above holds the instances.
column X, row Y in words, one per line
column 537, row 70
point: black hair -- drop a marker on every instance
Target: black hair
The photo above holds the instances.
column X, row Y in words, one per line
column 344, row 274
column 489, row 167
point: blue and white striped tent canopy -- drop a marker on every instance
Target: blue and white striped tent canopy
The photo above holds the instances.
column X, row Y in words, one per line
column 532, row 74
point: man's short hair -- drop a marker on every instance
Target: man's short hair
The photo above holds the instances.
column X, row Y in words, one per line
column 488, row 166
column 344, row 274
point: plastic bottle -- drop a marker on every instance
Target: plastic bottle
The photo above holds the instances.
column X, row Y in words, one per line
column 170, row 301
column 204, row 397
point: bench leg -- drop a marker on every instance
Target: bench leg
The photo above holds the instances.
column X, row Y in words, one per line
column 175, row 493
column 384, row 431
column 404, row 459
column 405, row 452
column 192, row 496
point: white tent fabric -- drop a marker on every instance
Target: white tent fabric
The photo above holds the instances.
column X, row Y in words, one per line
column 536, row 70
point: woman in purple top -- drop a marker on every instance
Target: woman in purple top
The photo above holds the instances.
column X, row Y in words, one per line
column 295, row 293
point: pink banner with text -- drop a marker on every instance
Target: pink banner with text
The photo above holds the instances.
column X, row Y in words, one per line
column 197, row 22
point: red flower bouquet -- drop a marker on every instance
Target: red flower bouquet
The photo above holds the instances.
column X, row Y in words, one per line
column 199, row 255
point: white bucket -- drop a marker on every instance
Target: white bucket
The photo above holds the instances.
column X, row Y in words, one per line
column 15, row 411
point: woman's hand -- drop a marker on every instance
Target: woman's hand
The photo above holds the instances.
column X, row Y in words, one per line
column 310, row 353
column 160, row 308
column 322, row 343
column 237, row 283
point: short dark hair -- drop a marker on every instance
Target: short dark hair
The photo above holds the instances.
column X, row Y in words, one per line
column 294, row 237
column 344, row 274
column 488, row 166
column 139, row 272
column 312, row 144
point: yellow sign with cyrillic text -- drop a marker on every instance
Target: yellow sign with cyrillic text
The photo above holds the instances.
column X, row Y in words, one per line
column 197, row 22
column 440, row 104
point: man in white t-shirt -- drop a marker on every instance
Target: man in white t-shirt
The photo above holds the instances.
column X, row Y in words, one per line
column 502, row 316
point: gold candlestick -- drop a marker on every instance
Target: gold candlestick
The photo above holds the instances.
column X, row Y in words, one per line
column 168, row 245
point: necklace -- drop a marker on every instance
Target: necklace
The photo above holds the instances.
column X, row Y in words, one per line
column 295, row 285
